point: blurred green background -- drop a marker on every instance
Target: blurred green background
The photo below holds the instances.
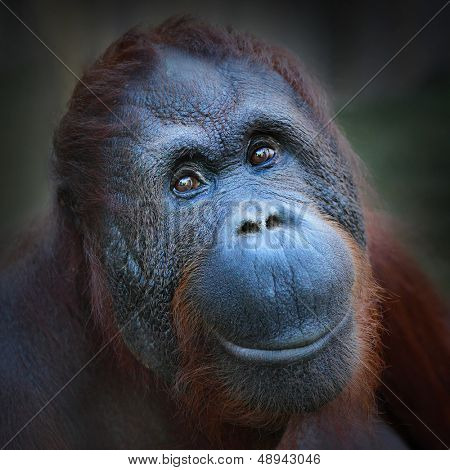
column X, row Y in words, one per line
column 399, row 125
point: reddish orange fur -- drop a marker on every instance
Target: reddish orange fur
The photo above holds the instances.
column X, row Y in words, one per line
column 415, row 342
column 415, row 339
column 205, row 398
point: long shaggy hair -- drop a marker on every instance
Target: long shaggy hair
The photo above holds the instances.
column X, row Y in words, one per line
column 415, row 346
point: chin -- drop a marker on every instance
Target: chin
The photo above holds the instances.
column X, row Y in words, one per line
column 287, row 381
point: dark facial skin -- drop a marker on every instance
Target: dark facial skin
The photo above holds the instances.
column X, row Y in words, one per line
column 226, row 170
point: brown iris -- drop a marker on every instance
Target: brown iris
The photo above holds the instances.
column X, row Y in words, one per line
column 187, row 183
column 261, row 155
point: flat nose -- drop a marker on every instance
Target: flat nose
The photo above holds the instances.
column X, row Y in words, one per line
column 260, row 222
column 253, row 219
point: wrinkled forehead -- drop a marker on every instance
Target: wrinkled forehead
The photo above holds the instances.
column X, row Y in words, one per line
column 185, row 89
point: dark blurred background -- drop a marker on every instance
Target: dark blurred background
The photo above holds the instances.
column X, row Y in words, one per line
column 399, row 125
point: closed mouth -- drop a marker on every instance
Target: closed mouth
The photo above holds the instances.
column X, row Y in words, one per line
column 284, row 354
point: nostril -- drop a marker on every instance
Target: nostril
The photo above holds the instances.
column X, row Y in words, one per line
column 273, row 221
column 248, row 227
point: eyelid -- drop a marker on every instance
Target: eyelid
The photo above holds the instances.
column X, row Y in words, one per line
column 187, row 171
column 262, row 140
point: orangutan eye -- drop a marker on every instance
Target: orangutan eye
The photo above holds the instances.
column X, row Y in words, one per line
column 261, row 155
column 186, row 183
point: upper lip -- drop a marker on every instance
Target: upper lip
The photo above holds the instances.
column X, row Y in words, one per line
column 284, row 352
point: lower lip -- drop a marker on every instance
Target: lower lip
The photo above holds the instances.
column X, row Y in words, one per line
column 282, row 356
